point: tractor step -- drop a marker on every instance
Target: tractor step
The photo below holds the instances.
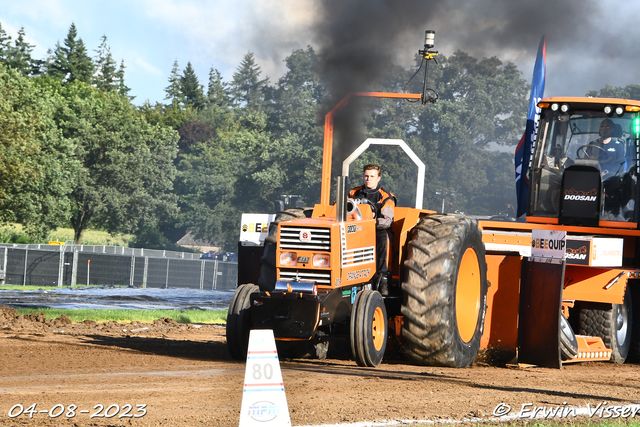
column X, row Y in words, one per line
column 590, row 349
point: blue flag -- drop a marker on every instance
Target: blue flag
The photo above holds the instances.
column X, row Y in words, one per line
column 523, row 151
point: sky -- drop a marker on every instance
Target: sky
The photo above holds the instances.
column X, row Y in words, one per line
column 589, row 43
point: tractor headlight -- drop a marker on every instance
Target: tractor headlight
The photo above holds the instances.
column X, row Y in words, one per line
column 289, row 258
column 321, row 261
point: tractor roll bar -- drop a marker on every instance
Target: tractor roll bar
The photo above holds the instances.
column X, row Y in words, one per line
column 327, row 153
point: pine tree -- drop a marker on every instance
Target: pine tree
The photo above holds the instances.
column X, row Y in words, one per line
column 191, row 87
column 123, row 89
column 71, row 61
column 105, row 77
column 174, row 90
column 217, row 92
column 247, row 87
column 5, row 45
column 18, row 56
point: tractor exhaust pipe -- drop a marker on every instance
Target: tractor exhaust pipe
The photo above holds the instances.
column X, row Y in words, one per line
column 341, row 198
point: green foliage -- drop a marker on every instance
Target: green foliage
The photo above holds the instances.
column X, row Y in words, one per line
column 36, row 162
column 247, row 88
column 191, row 88
column 126, row 174
column 105, row 77
column 71, row 61
column 631, row 91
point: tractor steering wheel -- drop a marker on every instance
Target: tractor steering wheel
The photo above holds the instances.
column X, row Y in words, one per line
column 365, row 201
column 586, row 155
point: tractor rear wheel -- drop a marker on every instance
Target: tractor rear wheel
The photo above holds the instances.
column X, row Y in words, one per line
column 267, row 280
column 444, row 291
column 368, row 328
column 612, row 324
column 239, row 321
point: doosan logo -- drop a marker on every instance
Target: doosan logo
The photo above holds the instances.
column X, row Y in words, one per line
column 581, row 196
column 579, row 254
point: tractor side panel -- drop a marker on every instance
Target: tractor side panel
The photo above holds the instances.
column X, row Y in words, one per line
column 500, row 337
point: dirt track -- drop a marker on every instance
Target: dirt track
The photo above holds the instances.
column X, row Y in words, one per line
column 184, row 376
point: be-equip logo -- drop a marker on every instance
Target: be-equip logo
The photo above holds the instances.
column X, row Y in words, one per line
column 580, row 196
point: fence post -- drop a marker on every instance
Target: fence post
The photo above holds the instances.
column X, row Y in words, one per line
column 215, row 274
column 133, row 270
column 61, row 266
column 202, row 273
column 4, row 263
column 144, row 275
column 166, row 282
column 26, row 257
column 74, row 268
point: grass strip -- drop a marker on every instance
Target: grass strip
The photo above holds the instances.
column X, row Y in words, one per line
column 122, row 315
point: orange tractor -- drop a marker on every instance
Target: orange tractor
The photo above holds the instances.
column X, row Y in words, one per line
column 582, row 190
column 318, row 277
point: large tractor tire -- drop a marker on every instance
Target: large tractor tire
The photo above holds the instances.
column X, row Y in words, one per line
column 368, row 328
column 612, row 324
column 568, row 340
column 239, row 321
column 444, row 291
column 267, row 280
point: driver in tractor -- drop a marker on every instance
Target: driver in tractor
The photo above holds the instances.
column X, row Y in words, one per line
column 384, row 203
column 609, row 150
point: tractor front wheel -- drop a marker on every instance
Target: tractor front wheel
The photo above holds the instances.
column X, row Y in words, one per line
column 368, row 328
column 239, row 321
column 444, row 291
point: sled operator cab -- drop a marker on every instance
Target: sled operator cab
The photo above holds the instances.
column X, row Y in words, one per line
column 585, row 163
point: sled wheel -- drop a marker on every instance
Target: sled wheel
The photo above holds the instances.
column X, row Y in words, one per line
column 568, row 341
column 239, row 321
column 612, row 323
column 368, row 328
column 444, row 291
column 267, row 280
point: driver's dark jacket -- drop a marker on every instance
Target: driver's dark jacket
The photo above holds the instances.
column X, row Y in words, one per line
column 613, row 156
column 384, row 202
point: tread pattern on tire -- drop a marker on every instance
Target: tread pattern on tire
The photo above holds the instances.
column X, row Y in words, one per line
column 239, row 321
column 267, row 280
column 362, row 346
column 430, row 328
column 601, row 323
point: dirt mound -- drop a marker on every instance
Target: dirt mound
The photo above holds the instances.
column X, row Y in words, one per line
column 38, row 323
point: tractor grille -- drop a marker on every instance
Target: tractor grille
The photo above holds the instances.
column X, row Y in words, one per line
column 320, row 238
column 321, row 277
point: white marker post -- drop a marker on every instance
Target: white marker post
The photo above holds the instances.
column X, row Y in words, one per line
column 264, row 402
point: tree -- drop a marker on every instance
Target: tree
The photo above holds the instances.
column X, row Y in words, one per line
column 217, row 91
column 628, row 92
column 36, row 162
column 247, row 88
column 126, row 176
column 192, row 90
column 123, row 89
column 71, row 61
column 174, row 90
column 105, row 76
column 5, row 44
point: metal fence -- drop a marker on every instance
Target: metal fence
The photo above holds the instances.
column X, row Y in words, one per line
column 68, row 265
